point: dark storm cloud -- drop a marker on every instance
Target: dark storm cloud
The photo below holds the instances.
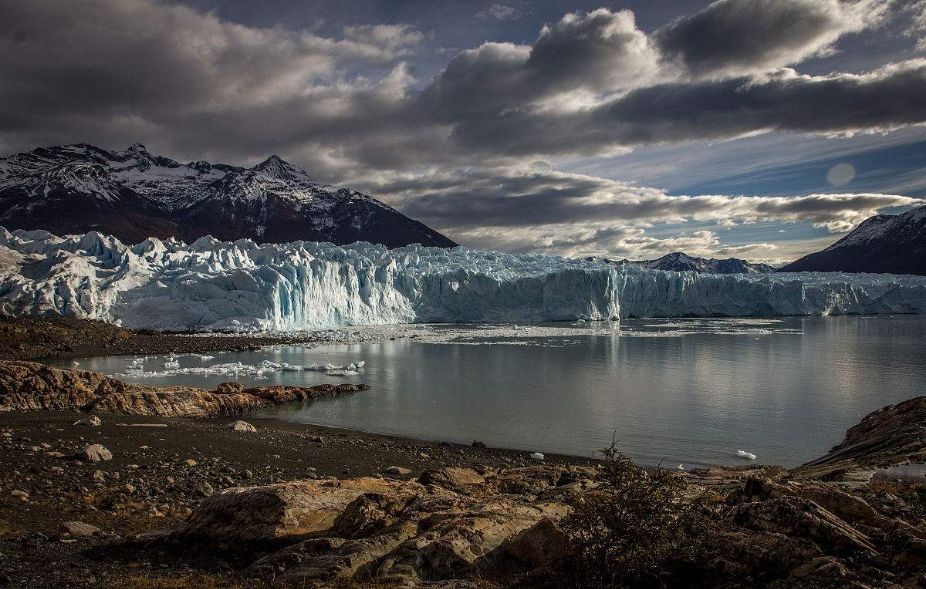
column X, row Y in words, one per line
column 192, row 84
column 601, row 51
column 106, row 71
column 452, row 150
column 784, row 101
column 530, row 198
column 744, row 36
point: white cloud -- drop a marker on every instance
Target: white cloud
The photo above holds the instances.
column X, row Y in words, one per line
column 500, row 12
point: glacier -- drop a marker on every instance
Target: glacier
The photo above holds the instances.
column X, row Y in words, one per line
column 210, row 285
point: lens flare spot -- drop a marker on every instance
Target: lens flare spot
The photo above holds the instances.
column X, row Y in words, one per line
column 840, row 174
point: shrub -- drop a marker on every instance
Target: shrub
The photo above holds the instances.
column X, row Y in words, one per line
column 634, row 528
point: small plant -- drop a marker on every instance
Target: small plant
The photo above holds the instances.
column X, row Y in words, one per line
column 634, row 528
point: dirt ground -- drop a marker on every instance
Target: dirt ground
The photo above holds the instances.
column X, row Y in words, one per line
column 150, row 485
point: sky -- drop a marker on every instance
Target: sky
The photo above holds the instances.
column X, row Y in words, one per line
column 761, row 129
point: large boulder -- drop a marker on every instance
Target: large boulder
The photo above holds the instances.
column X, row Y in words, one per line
column 280, row 511
column 383, row 529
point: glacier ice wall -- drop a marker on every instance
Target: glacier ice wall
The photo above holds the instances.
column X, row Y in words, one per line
column 212, row 285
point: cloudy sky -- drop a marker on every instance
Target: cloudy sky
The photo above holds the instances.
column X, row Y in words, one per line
column 762, row 129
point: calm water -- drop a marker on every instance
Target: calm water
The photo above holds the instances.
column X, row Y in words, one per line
column 675, row 391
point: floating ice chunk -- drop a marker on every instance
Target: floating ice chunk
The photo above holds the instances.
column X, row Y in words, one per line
column 75, row 363
column 341, row 372
column 746, row 455
column 360, row 364
column 681, row 467
column 537, row 456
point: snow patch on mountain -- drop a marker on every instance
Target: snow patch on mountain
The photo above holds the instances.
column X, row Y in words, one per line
column 882, row 243
column 240, row 285
column 681, row 262
column 133, row 193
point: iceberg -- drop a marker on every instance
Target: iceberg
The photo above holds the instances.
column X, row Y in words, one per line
column 210, row 285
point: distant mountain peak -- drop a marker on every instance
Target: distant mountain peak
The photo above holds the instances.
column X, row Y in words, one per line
column 276, row 167
column 134, row 194
column 894, row 244
column 682, row 262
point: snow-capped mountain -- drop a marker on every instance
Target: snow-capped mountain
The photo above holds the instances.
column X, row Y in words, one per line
column 133, row 195
column 681, row 262
column 894, row 244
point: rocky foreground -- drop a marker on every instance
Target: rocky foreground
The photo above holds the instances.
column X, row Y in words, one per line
column 180, row 502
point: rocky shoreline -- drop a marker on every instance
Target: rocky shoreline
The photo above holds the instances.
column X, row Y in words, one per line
column 64, row 338
column 103, row 483
column 30, row 386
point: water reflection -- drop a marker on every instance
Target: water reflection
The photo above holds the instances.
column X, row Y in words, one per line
column 786, row 390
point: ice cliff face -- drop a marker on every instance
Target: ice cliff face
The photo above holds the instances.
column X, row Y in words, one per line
column 212, row 285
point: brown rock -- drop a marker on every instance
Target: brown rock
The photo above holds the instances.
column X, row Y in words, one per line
column 242, row 426
column 797, row 517
column 454, row 479
column 95, row 453
column 229, row 388
column 26, row 386
column 397, row 471
column 889, row 436
column 178, row 402
column 287, row 510
column 79, row 529
column 542, row 544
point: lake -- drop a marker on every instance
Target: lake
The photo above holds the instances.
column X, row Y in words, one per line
column 669, row 391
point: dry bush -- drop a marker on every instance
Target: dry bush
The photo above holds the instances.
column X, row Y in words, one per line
column 635, row 529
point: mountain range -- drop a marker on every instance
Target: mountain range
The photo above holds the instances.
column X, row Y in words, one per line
column 894, row 244
column 133, row 195
column 681, row 262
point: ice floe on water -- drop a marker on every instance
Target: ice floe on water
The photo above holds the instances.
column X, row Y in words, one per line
column 552, row 335
column 211, row 285
column 171, row 367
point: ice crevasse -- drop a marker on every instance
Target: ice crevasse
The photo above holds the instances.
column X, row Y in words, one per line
column 240, row 285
